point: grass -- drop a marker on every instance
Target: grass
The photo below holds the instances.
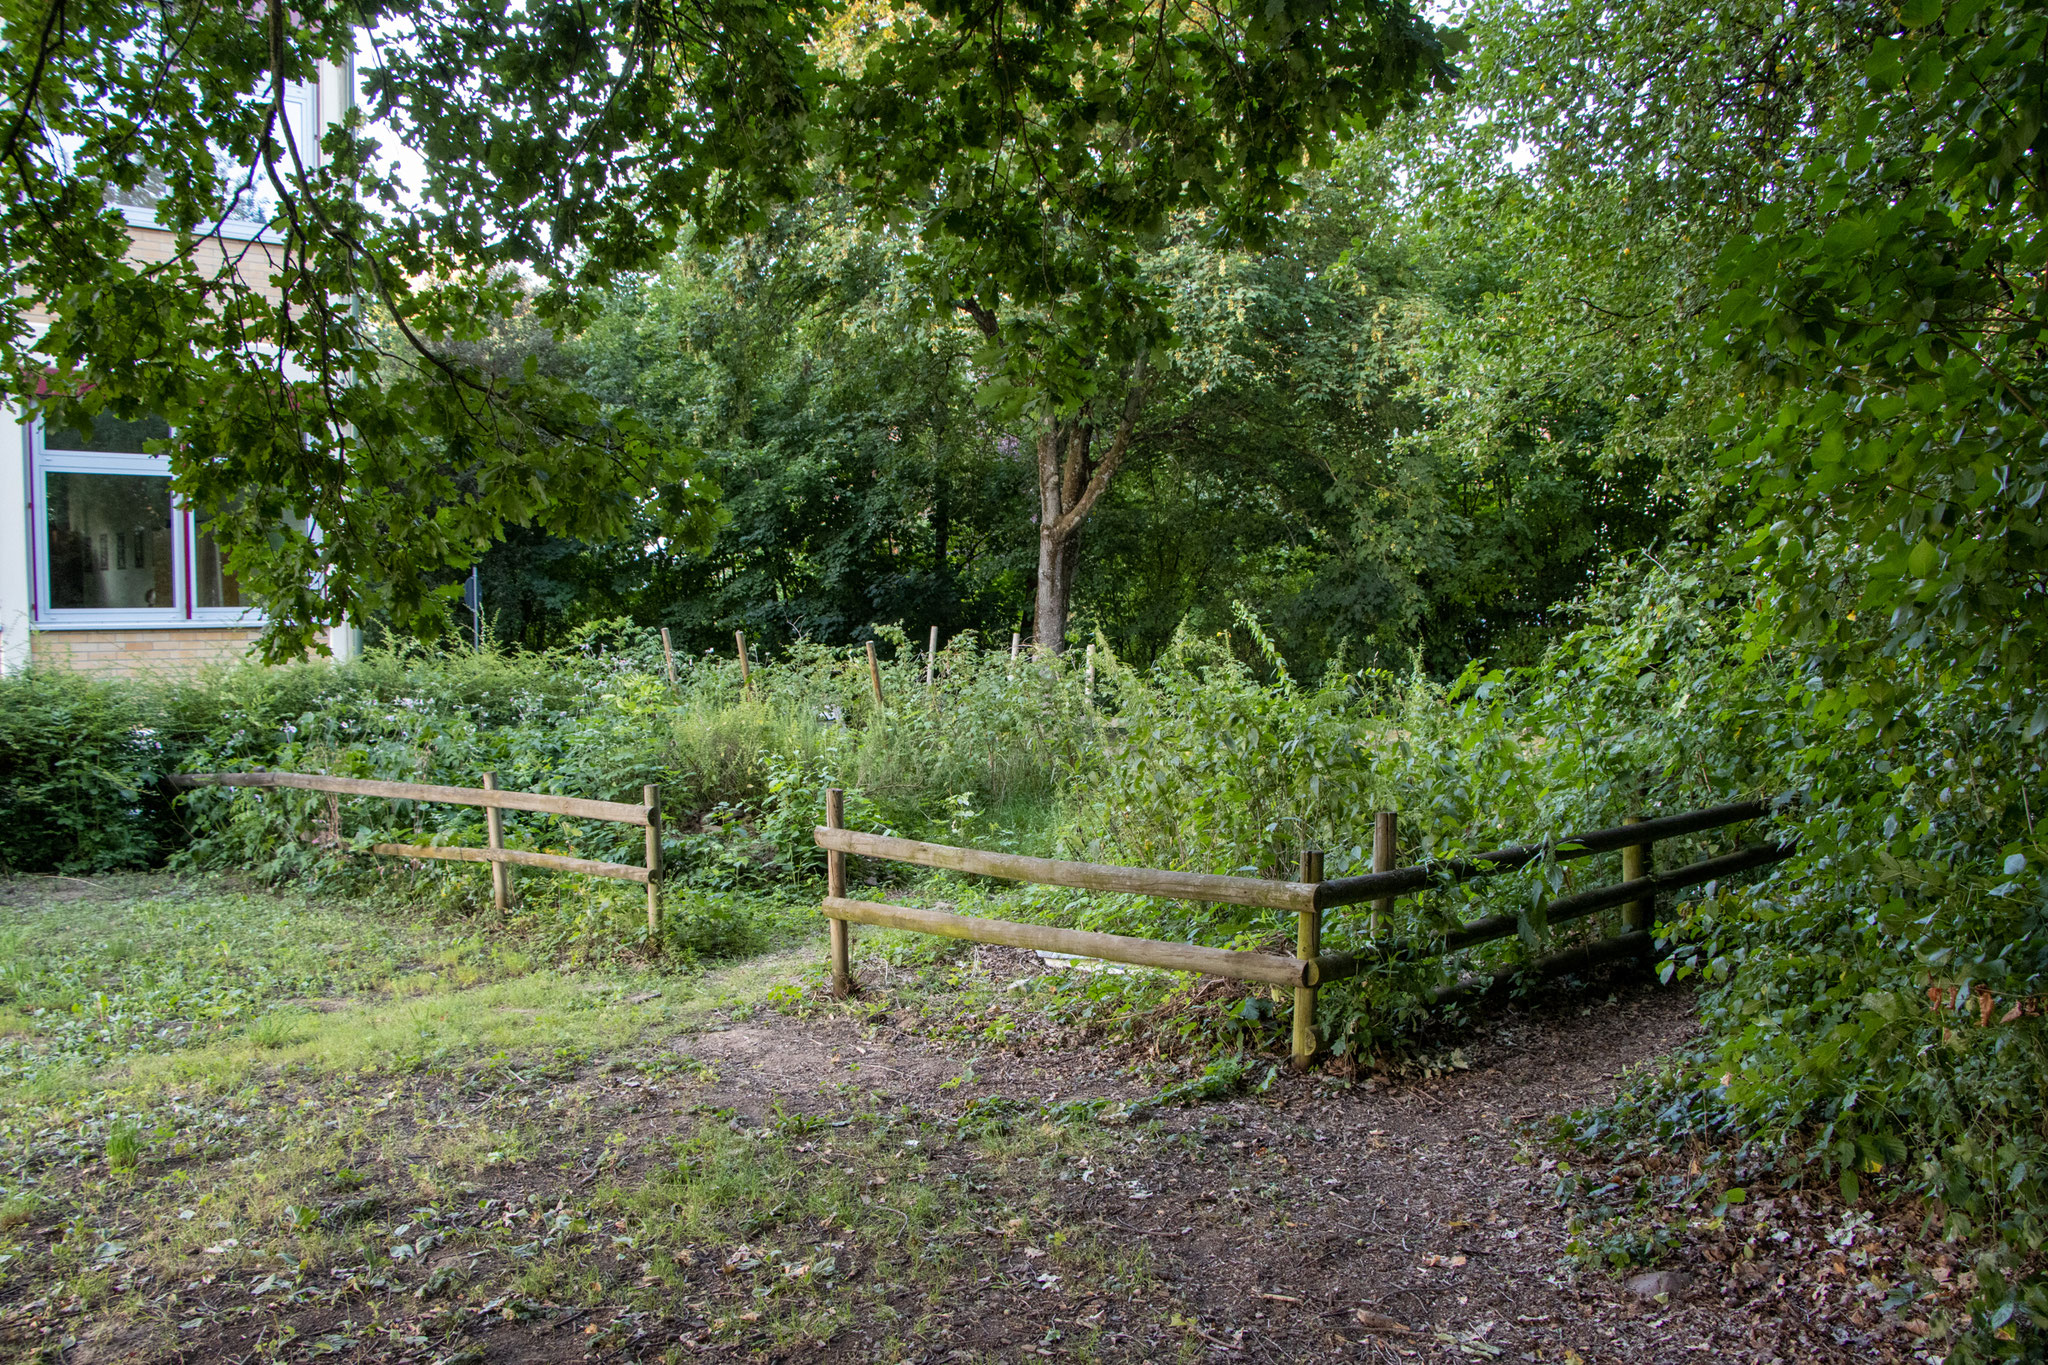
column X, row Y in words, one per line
column 268, row 1126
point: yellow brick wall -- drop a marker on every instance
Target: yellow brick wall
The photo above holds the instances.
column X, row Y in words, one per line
column 139, row 653
column 214, row 258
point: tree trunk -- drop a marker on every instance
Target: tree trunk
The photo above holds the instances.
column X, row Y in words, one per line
column 1056, row 560
column 1070, row 482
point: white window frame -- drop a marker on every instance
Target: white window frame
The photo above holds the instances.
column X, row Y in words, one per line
column 182, row 613
column 302, row 112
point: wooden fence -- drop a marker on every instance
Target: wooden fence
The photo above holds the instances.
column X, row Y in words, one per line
column 1308, row 897
column 493, row 801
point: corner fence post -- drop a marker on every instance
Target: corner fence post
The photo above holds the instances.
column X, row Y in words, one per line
column 835, row 887
column 501, row 873
column 653, row 799
column 1385, row 854
column 1635, row 865
column 1308, row 942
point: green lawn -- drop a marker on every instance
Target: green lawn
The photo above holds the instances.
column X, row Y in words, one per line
column 251, row 1124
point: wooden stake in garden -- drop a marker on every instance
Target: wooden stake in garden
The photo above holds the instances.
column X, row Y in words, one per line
column 931, row 657
column 1016, row 642
column 652, row 795
column 668, row 655
column 501, row 873
column 875, row 674
column 1308, row 945
column 739, row 640
column 835, row 888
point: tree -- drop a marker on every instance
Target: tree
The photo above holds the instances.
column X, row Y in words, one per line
column 862, row 481
column 312, row 374
column 1027, row 152
column 1028, row 155
column 1889, row 329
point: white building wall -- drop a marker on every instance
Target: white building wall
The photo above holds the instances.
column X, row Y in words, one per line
column 14, row 558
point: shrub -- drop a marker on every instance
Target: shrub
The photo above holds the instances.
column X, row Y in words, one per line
column 80, row 769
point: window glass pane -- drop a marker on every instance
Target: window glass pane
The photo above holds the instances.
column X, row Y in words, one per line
column 109, row 540
column 214, row 583
column 109, row 433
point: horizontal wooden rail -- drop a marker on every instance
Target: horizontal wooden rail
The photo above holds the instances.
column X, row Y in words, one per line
column 1141, row 881
column 555, row 861
column 619, row 812
column 1142, row 952
column 1339, row 966
column 1449, row 871
column 1310, row 969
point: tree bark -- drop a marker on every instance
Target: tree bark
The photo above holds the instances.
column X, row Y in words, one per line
column 1071, row 480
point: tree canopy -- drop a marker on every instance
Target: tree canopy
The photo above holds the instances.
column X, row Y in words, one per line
column 1025, row 153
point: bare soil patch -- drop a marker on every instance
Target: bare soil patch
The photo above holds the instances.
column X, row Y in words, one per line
column 1415, row 1221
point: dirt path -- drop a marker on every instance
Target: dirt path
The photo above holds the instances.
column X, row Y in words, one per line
column 1271, row 1221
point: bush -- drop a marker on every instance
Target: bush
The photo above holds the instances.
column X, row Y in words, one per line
column 80, row 769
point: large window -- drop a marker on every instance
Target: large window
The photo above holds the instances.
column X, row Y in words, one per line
column 113, row 547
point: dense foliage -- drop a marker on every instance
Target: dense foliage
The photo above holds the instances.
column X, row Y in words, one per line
column 1691, row 356
column 80, row 768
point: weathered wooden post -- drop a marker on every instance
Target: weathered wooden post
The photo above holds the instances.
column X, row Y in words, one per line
column 1635, row 865
column 1308, row 942
column 931, row 657
column 668, row 655
column 1385, row 854
column 1016, row 642
column 739, row 639
column 652, row 796
column 501, row 873
column 835, row 887
column 1088, row 686
column 875, row 674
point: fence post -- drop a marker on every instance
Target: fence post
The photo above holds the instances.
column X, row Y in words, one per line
column 668, row 655
column 1088, row 686
column 875, row 674
column 931, row 657
column 501, row 873
column 1635, row 865
column 653, row 799
column 1016, row 641
column 1308, row 942
column 835, row 885
column 739, row 639
column 1385, row 854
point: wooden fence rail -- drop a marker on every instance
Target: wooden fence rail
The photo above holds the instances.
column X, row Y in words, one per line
column 1310, row 967
column 493, row 801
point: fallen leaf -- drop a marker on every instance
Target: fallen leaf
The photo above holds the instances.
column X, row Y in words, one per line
column 1380, row 1322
